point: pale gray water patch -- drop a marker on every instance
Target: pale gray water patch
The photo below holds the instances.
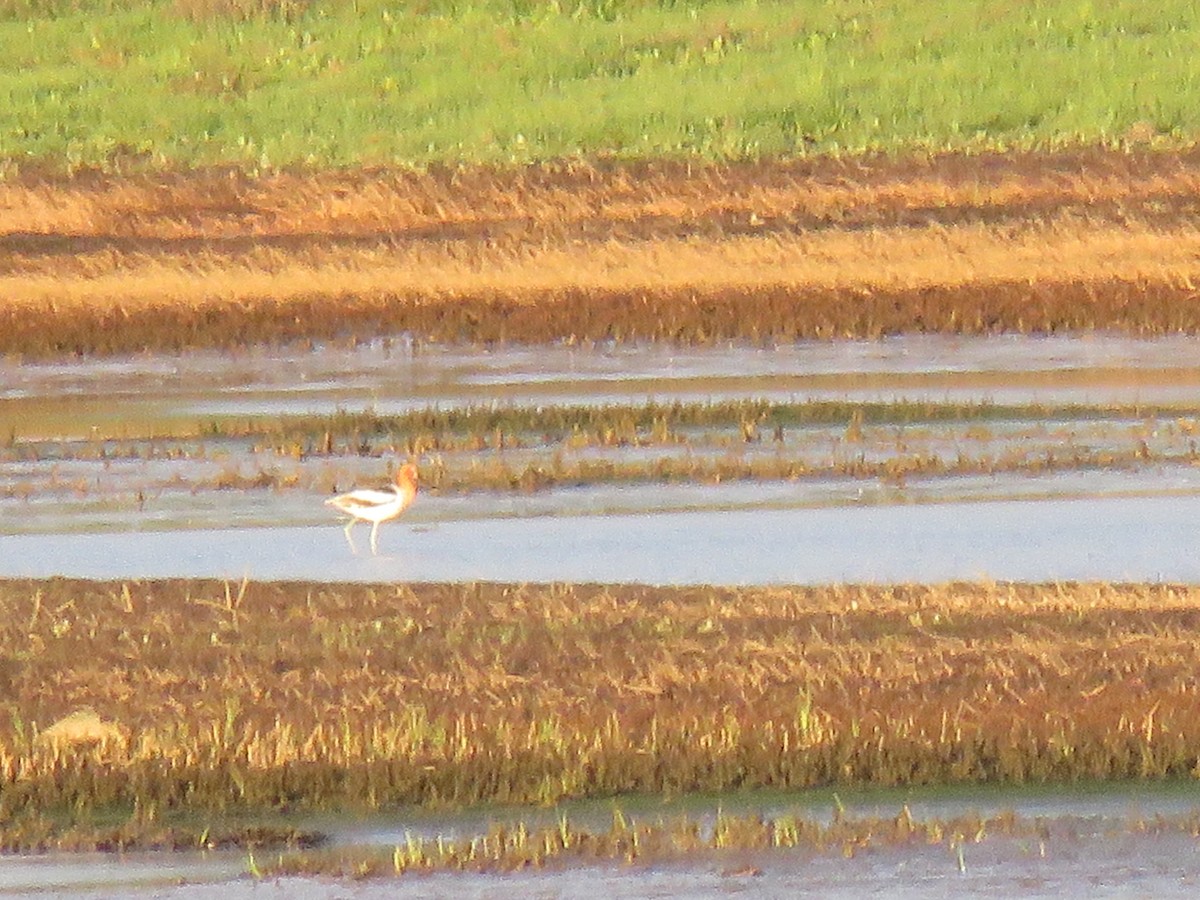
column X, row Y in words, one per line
column 1107, row 806
column 1179, row 389
column 1092, row 840
column 390, row 376
column 1136, row 538
column 167, row 509
column 418, row 367
column 1077, row 864
column 100, row 874
column 1092, row 845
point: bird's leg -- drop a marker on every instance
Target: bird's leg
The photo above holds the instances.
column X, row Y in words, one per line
column 374, row 540
column 349, row 538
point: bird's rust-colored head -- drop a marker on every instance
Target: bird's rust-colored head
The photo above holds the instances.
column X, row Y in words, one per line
column 406, row 477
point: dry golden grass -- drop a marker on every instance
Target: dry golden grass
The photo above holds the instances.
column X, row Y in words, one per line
column 274, row 696
column 820, row 249
column 877, row 259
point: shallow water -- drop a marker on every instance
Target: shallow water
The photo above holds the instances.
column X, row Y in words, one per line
column 68, row 399
column 1084, row 866
column 85, row 509
column 1106, row 806
column 233, row 485
column 1134, row 538
column 101, row 874
column 1094, row 843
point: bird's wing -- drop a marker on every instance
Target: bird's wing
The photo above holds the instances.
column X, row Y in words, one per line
column 364, row 499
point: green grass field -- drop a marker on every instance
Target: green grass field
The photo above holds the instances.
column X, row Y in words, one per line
column 277, row 83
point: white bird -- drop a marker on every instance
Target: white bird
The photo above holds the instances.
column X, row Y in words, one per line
column 378, row 506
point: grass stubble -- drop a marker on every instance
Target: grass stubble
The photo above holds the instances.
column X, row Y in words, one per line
column 200, row 702
column 768, row 251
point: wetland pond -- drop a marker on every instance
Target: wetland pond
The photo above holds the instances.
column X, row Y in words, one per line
column 907, row 459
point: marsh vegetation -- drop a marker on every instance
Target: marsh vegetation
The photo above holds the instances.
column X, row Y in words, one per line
column 222, row 697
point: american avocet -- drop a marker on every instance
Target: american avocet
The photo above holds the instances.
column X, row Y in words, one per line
column 378, row 506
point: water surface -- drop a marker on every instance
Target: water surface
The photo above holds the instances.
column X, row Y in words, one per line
column 390, row 376
column 1096, row 841
column 1118, row 539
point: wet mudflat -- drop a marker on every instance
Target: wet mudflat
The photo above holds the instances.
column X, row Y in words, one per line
column 156, row 394
column 615, row 462
column 103, row 874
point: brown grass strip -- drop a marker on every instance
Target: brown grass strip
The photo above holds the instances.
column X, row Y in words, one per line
column 769, row 314
column 757, row 251
column 268, row 696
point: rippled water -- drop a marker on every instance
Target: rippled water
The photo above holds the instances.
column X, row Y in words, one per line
column 1086, row 867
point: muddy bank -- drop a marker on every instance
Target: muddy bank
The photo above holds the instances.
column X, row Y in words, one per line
column 764, row 252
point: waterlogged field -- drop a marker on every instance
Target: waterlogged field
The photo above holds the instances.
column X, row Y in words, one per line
column 565, row 438
column 614, row 375
column 465, row 724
